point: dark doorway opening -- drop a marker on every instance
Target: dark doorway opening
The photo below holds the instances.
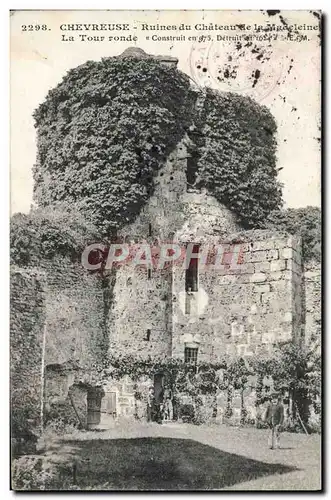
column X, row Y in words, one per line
column 158, row 387
column 191, row 172
column 94, row 398
column 191, row 275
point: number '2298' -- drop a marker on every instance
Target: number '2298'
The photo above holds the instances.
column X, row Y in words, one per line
column 34, row 27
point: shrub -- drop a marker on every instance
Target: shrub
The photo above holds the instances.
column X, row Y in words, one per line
column 60, row 426
column 186, row 412
column 32, row 473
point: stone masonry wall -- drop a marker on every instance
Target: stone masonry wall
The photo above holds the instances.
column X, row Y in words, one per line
column 241, row 311
column 236, row 312
column 70, row 301
column 143, row 302
column 74, row 315
column 246, row 310
column 27, row 320
column 140, row 313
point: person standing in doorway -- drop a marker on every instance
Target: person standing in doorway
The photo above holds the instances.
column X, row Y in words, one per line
column 168, row 409
column 159, row 407
column 150, row 404
column 275, row 417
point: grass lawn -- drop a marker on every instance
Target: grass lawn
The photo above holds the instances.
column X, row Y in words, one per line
column 185, row 457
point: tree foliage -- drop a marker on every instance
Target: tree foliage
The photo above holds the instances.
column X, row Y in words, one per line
column 291, row 367
column 304, row 222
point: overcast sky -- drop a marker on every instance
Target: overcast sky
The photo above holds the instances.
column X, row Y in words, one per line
column 284, row 75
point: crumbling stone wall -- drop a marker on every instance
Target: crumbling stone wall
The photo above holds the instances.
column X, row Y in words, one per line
column 241, row 311
column 245, row 310
column 143, row 301
column 140, row 313
column 75, row 338
column 27, row 320
column 66, row 304
column 266, row 299
column 73, row 308
column 74, row 315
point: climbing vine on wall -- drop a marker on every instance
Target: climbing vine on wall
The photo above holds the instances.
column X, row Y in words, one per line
column 236, row 155
column 292, row 368
column 47, row 233
column 109, row 126
column 103, row 133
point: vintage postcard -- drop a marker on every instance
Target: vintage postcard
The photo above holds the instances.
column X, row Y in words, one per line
column 166, row 250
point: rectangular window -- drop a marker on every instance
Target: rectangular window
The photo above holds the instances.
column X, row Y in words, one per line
column 148, row 335
column 191, row 169
column 191, row 355
column 149, row 229
column 191, row 274
column 149, row 273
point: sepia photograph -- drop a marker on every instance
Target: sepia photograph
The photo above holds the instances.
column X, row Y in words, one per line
column 165, row 250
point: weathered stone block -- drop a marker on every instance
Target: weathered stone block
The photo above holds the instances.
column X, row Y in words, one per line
column 253, row 309
column 280, row 243
column 237, row 329
column 262, row 288
column 309, row 275
column 245, row 247
column 258, row 256
column 244, row 279
column 280, row 275
column 288, row 317
column 277, row 265
column 263, row 245
column 268, row 337
column 266, row 297
column 286, row 253
column 262, row 266
column 293, row 266
column 295, row 242
column 272, row 255
column 287, row 332
column 281, row 286
column 272, row 303
column 246, row 268
column 228, row 278
column 258, row 277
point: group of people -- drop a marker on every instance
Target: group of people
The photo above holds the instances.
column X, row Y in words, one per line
column 159, row 408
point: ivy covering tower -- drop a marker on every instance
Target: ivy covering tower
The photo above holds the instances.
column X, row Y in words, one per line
column 108, row 127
